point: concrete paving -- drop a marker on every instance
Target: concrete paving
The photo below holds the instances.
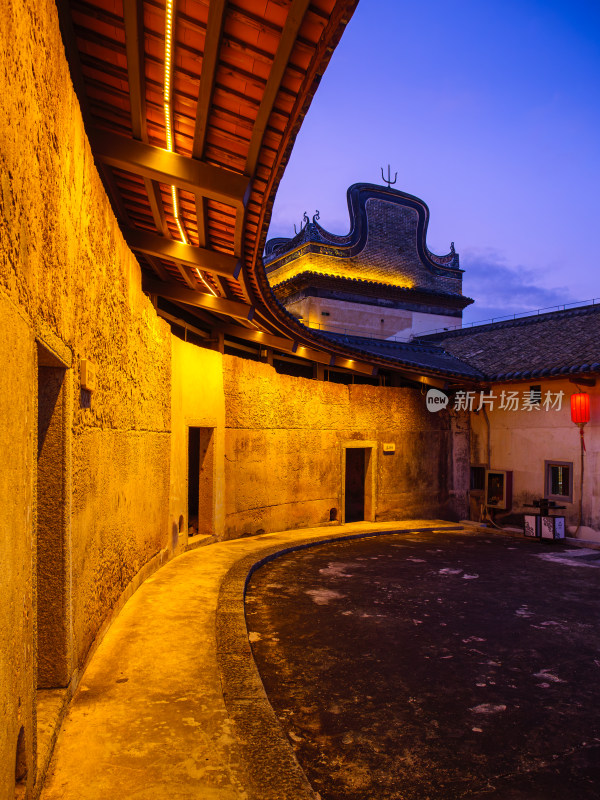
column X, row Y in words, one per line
column 435, row 666
column 171, row 705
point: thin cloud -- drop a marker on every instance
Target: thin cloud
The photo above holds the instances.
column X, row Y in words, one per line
column 501, row 290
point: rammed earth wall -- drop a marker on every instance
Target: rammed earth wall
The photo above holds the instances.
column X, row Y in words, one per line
column 284, row 439
column 68, row 283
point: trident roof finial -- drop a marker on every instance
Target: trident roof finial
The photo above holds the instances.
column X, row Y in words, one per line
column 389, row 180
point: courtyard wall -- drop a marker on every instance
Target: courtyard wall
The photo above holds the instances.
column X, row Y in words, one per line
column 70, row 290
column 284, row 449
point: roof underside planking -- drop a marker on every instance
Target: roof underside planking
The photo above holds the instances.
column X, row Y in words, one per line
column 196, row 211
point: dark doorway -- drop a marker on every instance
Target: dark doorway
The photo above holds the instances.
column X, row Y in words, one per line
column 193, row 478
column 52, row 556
column 355, row 484
column 200, row 480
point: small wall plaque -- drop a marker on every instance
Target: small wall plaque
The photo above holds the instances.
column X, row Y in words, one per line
column 389, row 447
column 88, row 373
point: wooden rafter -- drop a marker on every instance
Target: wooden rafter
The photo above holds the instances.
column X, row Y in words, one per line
column 133, row 12
column 292, row 25
column 156, row 206
column 214, row 29
column 158, row 268
column 216, row 16
column 133, row 15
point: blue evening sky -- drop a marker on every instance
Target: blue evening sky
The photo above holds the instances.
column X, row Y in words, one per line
column 489, row 110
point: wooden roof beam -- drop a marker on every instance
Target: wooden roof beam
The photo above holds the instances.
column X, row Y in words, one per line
column 265, row 339
column 196, row 257
column 160, row 165
column 216, row 305
column 185, row 271
column 289, row 35
column 216, row 18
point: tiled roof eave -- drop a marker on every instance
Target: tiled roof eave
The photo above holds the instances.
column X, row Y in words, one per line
column 546, row 372
column 469, row 373
column 373, row 284
column 311, row 337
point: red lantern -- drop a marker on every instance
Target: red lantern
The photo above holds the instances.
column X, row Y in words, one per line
column 580, row 408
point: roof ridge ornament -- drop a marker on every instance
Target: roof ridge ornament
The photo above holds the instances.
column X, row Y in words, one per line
column 305, row 223
column 389, row 180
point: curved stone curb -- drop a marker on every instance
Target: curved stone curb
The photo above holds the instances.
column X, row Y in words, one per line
column 273, row 772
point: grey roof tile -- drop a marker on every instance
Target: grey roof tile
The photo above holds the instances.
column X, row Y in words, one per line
column 544, row 345
column 410, row 354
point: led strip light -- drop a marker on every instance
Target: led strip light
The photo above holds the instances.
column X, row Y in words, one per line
column 169, row 122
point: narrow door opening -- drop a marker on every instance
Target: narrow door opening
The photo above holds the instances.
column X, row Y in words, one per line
column 193, row 478
column 21, row 767
column 355, row 484
column 200, row 480
column 52, row 557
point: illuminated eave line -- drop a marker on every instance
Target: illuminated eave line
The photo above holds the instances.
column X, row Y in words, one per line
column 169, row 124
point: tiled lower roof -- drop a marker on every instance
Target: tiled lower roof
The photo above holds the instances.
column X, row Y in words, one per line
column 545, row 345
column 410, row 354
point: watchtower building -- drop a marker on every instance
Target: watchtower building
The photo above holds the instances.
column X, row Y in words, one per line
column 380, row 280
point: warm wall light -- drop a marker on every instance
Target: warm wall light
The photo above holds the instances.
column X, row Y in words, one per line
column 330, row 269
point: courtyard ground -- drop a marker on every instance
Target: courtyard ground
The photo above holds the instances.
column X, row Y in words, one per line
column 435, row 665
column 170, row 706
column 430, row 662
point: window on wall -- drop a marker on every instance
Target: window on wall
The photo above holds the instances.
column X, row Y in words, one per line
column 535, row 395
column 477, row 479
column 559, row 480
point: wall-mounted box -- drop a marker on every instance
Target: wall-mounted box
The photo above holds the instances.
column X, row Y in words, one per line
column 498, row 488
column 87, row 373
